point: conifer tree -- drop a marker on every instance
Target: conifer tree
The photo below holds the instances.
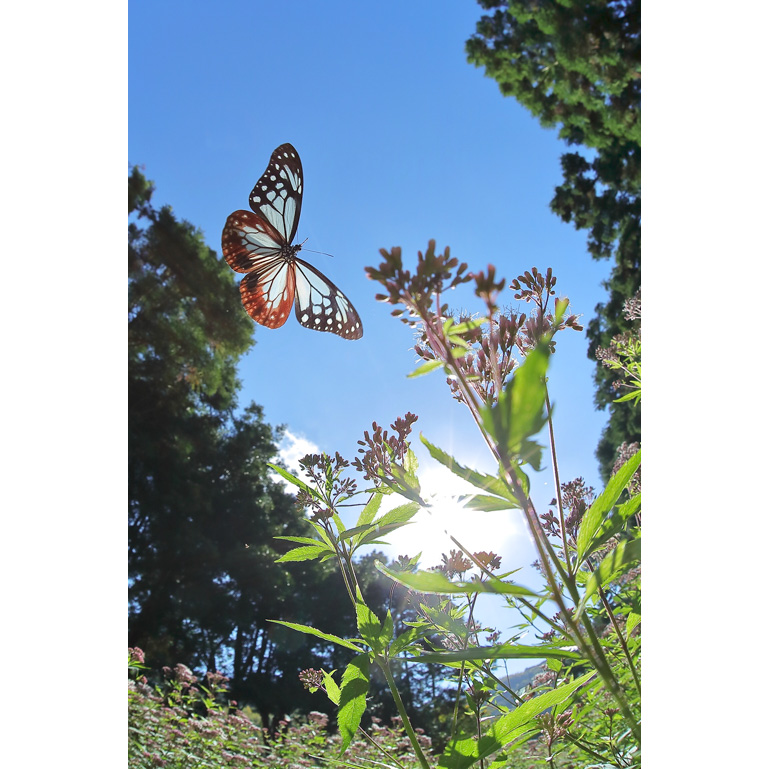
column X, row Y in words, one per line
column 203, row 509
column 576, row 65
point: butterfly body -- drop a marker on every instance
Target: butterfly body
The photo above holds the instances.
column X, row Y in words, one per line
column 259, row 244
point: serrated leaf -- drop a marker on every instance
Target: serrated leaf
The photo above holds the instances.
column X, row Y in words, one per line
column 406, row 639
column 512, row 726
column 632, row 622
column 500, row 652
column 292, row 479
column 320, row 634
column 380, row 531
column 332, row 689
column 433, row 582
column 340, row 527
column 405, row 478
column 411, row 463
column 371, row 509
column 519, row 413
column 485, row 503
column 306, row 553
column 484, row 481
column 465, row 326
column 370, row 628
column 602, row 506
column 443, row 620
column 302, row 540
column 352, row 700
column 322, row 533
column 401, row 514
column 614, row 523
column 425, row 368
column 615, row 563
column 388, row 627
column 349, row 533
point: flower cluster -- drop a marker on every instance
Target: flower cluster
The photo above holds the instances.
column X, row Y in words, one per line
column 435, row 275
column 381, row 448
column 479, row 354
column 311, row 678
column 325, row 473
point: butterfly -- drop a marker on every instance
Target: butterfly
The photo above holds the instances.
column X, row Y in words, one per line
column 259, row 244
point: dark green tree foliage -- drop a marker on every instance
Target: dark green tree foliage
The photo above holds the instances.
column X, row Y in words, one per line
column 203, row 512
column 576, row 65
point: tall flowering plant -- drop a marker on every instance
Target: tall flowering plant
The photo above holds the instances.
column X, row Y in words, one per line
column 586, row 612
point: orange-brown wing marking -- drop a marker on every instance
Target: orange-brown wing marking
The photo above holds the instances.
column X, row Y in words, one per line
column 249, row 241
column 267, row 293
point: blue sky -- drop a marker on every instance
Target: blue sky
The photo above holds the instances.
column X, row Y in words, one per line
column 80, row 89
column 401, row 141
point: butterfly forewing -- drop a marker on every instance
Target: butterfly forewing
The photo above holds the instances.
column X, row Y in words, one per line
column 320, row 305
column 277, row 196
column 247, row 240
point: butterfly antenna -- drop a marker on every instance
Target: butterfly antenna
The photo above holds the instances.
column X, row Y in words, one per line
column 314, row 252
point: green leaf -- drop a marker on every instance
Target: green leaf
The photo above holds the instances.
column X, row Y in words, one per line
column 433, row 582
column 390, row 521
column 600, row 509
column 371, row 509
column 615, row 563
column 614, row 523
column 487, row 483
column 486, row 503
column 352, row 700
column 405, row 480
column 512, row 726
column 350, row 533
column 632, row 622
column 500, row 652
column 302, row 540
column 292, row 479
column 380, row 531
column 411, row 464
column 388, row 628
column 447, row 621
column 464, row 327
column 322, row 533
column 325, row 636
column 519, row 413
column 400, row 514
column 307, row 553
column 332, row 690
column 370, row 628
column 425, row 368
column 405, row 639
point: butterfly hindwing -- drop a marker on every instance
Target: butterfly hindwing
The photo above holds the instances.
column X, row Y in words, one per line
column 267, row 293
column 277, row 196
column 320, row 305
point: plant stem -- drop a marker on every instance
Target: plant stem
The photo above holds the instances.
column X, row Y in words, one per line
column 385, row 668
column 620, row 637
column 592, row 650
column 557, row 480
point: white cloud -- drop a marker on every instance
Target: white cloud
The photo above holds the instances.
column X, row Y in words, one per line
column 290, row 450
